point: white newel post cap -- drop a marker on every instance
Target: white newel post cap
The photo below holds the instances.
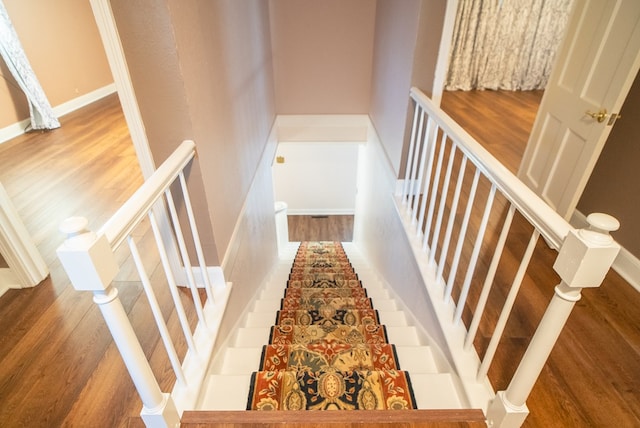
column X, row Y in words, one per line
column 587, row 254
column 87, row 258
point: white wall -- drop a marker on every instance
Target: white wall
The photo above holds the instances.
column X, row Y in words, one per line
column 379, row 234
column 317, row 178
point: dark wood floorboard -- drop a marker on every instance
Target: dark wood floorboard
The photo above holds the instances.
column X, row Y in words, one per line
column 320, row 228
column 58, row 363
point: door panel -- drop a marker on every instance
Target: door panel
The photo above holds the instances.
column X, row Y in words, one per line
column 596, row 65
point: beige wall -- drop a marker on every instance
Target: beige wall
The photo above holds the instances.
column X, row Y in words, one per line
column 393, row 57
column 322, row 55
column 614, row 186
column 202, row 70
column 64, row 48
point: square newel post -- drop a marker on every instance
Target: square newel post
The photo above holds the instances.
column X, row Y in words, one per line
column 583, row 261
column 91, row 266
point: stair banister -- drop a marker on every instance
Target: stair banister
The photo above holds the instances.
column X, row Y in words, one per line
column 91, row 266
column 583, row 261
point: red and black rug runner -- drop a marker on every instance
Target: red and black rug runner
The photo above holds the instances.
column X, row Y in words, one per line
column 328, row 350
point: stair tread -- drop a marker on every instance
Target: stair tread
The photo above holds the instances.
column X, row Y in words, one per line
column 252, row 337
column 403, row 335
column 239, row 361
column 416, row 359
column 226, row 392
column 229, row 389
column 435, row 391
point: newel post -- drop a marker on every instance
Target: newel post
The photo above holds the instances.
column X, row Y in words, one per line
column 91, row 266
column 583, row 261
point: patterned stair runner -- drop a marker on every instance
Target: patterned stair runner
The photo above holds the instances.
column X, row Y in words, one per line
column 327, row 349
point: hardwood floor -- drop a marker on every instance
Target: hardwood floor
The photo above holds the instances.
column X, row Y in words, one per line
column 58, row 364
column 320, row 228
column 592, row 376
column 500, row 120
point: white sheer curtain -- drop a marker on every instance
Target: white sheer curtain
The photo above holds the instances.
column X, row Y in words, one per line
column 505, row 44
column 42, row 116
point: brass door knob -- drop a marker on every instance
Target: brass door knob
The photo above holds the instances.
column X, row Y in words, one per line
column 599, row 116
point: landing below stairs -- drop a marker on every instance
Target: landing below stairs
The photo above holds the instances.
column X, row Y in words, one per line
column 227, row 386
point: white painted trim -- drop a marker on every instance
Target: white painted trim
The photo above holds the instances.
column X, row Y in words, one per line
column 17, row 248
column 108, row 30
column 16, row 129
column 215, row 273
column 268, row 156
column 84, row 100
column 118, row 64
column 442, row 63
column 626, row 264
column 322, row 128
column 414, row 188
column 321, row 211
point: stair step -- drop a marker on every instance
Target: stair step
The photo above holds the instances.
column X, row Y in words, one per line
column 226, row 392
column 403, row 335
column 392, row 318
column 230, row 392
column 260, row 319
column 384, row 304
column 252, row 337
column 435, row 391
column 239, row 361
column 267, row 305
column 416, row 359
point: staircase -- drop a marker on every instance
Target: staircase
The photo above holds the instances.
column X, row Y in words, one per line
column 227, row 386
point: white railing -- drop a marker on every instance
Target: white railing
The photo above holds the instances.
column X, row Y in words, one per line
column 91, row 263
column 458, row 201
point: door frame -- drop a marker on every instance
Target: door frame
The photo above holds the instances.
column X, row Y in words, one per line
column 26, row 266
column 117, row 62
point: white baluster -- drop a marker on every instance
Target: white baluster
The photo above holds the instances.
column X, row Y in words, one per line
column 91, row 266
column 412, row 142
column 488, row 281
column 474, row 257
column 584, row 259
column 463, row 232
column 451, row 220
column 443, row 203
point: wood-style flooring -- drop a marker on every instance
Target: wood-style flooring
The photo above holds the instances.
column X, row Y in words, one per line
column 58, row 363
column 320, row 228
column 592, row 377
column 59, row 366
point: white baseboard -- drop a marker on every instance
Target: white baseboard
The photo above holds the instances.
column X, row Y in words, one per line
column 216, row 277
column 8, row 280
column 17, row 129
column 414, row 188
column 626, row 264
column 83, row 100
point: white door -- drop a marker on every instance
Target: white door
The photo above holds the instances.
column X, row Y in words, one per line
column 594, row 70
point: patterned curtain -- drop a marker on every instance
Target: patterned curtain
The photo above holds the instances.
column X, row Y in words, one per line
column 505, row 44
column 42, row 116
